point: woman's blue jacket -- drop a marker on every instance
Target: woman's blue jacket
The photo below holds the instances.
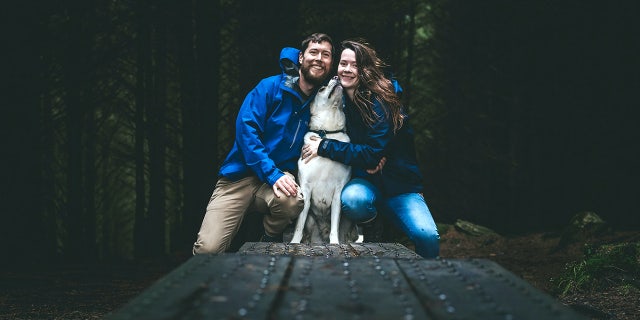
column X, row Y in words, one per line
column 401, row 173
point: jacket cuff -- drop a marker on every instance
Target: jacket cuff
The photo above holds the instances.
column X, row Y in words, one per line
column 274, row 177
column 323, row 147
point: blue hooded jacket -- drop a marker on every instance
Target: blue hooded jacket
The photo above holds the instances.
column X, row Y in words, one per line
column 270, row 127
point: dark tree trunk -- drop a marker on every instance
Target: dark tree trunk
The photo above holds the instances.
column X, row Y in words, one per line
column 48, row 196
column 143, row 63
column 156, row 114
column 254, row 37
column 411, row 30
column 21, row 137
column 90, row 179
column 75, row 66
column 185, row 28
column 199, row 63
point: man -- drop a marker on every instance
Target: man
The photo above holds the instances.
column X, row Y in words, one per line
column 258, row 174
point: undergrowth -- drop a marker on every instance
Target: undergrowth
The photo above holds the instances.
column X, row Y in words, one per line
column 605, row 266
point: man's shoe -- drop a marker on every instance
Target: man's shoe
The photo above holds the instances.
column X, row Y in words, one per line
column 267, row 238
column 372, row 230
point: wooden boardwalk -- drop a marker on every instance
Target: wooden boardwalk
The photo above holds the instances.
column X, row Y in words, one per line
column 351, row 281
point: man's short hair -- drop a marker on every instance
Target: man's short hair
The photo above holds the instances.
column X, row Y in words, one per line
column 316, row 38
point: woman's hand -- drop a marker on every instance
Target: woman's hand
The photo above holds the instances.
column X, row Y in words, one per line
column 310, row 150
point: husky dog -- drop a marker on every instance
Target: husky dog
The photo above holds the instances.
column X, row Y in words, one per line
column 322, row 179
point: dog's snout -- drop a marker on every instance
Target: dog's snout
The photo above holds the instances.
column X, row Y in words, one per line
column 335, row 88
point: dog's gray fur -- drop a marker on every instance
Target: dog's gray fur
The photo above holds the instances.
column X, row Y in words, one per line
column 322, row 179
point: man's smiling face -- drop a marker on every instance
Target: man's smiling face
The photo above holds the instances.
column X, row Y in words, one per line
column 315, row 62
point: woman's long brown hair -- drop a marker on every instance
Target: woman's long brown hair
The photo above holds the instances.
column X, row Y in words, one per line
column 373, row 83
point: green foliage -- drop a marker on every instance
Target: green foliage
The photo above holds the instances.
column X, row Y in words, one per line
column 605, row 266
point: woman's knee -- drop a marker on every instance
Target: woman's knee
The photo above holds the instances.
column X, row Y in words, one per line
column 428, row 235
column 427, row 242
column 358, row 203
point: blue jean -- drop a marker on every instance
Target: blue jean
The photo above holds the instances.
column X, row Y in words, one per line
column 361, row 201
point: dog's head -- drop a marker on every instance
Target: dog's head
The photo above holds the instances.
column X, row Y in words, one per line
column 328, row 97
column 326, row 108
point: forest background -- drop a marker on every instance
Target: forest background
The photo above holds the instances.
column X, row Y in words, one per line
column 117, row 114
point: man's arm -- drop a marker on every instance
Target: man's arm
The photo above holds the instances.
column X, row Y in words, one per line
column 250, row 126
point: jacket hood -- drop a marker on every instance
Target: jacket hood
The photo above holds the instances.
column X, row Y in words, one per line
column 289, row 61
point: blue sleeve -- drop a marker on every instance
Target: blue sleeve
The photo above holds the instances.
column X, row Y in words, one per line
column 365, row 155
column 250, row 125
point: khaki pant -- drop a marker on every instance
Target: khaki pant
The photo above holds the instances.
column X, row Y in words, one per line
column 232, row 200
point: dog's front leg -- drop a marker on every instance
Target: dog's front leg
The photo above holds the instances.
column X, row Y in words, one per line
column 335, row 218
column 302, row 218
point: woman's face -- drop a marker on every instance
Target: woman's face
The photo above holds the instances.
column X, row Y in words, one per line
column 348, row 70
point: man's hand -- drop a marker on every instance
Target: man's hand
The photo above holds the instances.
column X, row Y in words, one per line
column 378, row 167
column 309, row 151
column 286, row 185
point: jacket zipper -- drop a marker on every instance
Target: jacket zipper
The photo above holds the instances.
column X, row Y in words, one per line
column 295, row 135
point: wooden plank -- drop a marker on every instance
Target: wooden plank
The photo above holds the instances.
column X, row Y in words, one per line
column 479, row 289
column 210, row 286
column 363, row 281
column 321, row 288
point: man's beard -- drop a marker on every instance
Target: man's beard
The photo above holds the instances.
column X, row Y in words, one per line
column 305, row 68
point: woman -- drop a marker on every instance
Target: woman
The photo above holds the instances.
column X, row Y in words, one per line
column 386, row 177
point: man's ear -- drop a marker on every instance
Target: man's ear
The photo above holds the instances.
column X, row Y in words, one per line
column 300, row 58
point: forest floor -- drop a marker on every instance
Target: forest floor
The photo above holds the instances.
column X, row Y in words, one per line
column 538, row 259
column 92, row 291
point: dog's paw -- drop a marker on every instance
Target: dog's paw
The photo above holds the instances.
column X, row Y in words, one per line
column 296, row 238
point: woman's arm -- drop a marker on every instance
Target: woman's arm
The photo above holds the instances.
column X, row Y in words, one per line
column 366, row 154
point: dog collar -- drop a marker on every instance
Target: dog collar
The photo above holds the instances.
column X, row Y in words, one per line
column 324, row 133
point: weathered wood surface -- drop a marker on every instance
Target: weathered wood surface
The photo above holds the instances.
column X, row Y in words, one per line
column 355, row 281
column 353, row 250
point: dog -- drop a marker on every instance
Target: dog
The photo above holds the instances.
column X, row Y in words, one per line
column 322, row 179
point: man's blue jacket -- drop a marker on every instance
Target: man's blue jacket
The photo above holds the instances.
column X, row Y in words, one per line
column 270, row 128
